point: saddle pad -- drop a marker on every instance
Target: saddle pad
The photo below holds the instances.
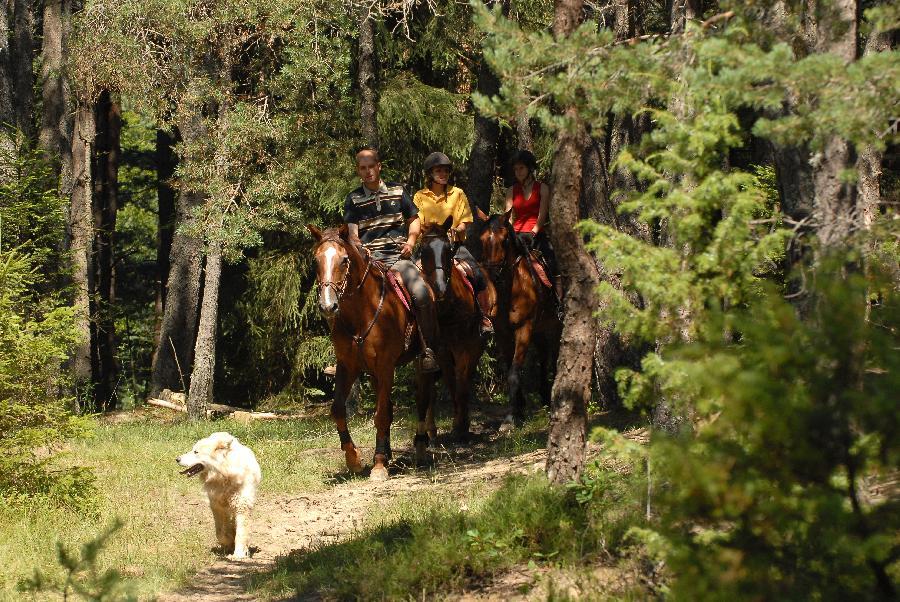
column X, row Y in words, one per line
column 400, row 289
column 466, row 277
column 540, row 271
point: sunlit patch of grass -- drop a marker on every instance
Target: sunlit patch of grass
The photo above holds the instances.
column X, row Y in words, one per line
column 438, row 542
column 167, row 532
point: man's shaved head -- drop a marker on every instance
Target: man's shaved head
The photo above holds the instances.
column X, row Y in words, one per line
column 368, row 152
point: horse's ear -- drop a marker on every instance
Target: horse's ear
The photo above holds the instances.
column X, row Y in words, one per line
column 480, row 215
column 508, row 215
column 344, row 231
column 448, row 223
column 317, row 234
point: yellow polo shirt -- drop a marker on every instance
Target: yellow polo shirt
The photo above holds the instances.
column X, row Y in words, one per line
column 434, row 209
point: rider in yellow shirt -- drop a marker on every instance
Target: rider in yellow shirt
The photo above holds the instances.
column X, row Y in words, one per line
column 440, row 200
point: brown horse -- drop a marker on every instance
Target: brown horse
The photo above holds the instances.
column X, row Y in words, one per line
column 526, row 309
column 459, row 320
column 372, row 332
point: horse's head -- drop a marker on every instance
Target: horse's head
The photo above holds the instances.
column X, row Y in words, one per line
column 332, row 266
column 437, row 257
column 496, row 237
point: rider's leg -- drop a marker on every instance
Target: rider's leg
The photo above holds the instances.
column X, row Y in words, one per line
column 426, row 316
column 485, row 295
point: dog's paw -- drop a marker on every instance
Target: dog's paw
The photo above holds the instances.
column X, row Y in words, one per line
column 238, row 555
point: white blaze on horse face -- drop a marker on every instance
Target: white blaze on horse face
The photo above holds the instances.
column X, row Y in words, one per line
column 328, row 291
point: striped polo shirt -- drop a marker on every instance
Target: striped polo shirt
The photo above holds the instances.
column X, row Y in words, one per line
column 381, row 217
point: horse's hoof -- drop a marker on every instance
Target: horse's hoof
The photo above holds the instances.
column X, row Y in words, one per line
column 378, row 474
column 353, row 462
column 422, row 454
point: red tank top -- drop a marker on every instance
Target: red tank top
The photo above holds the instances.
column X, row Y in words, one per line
column 526, row 209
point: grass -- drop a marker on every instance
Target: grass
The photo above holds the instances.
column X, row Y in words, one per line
column 434, row 540
column 160, row 543
column 435, row 543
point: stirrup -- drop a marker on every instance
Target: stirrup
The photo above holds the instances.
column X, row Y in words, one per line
column 427, row 363
column 487, row 327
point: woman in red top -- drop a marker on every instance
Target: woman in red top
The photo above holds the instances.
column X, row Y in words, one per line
column 529, row 200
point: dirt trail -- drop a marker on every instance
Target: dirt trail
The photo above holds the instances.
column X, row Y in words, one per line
column 281, row 524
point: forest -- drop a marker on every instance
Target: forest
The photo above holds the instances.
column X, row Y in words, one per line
column 705, row 409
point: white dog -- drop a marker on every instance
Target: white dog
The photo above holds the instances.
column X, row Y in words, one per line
column 230, row 474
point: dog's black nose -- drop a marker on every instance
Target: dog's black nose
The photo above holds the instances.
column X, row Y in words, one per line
column 176, row 460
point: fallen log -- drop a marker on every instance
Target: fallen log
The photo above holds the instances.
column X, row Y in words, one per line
column 216, row 410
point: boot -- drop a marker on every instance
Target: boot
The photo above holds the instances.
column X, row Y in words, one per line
column 482, row 303
column 427, row 320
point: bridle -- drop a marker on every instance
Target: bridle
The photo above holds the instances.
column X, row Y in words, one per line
column 448, row 273
column 341, row 288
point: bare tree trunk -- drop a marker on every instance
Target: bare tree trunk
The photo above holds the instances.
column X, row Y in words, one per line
column 201, row 389
column 166, row 161
column 80, row 227
column 174, row 354
column 572, row 387
column 55, row 136
column 869, row 163
column 523, row 132
column 368, row 111
column 836, row 212
column 23, row 64
column 7, row 83
column 480, row 173
column 108, row 121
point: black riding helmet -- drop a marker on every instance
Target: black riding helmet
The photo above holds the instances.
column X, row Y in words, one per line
column 437, row 159
column 526, row 158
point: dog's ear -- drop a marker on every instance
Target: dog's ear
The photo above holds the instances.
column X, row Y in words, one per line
column 224, row 440
column 508, row 215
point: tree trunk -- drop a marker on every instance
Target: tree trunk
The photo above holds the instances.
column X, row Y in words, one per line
column 480, row 173
column 108, row 121
column 174, row 354
column 523, row 132
column 366, row 79
column 835, row 210
column 55, row 136
column 80, row 228
column 869, row 163
column 166, row 161
column 7, row 83
column 22, row 45
column 201, row 389
column 572, row 387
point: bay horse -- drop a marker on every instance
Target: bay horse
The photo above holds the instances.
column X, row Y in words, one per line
column 373, row 332
column 526, row 309
column 459, row 320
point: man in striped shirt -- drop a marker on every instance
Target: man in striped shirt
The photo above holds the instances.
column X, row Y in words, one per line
column 384, row 219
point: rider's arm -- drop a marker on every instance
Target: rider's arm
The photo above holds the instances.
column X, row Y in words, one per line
column 462, row 214
column 411, row 214
column 544, row 209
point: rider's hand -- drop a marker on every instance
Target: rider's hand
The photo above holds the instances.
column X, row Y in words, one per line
column 406, row 251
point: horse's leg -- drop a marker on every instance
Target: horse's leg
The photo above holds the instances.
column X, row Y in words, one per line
column 382, row 382
column 424, row 394
column 344, row 379
column 550, row 353
column 463, row 377
column 516, row 397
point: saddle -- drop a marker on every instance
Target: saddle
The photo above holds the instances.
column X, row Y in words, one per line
column 538, row 267
column 468, row 274
column 400, row 290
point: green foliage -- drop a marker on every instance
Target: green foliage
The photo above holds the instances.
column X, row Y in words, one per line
column 83, row 578
column 34, row 419
column 36, row 337
column 32, row 212
column 775, row 493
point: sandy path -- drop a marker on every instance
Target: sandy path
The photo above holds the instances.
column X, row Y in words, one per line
column 282, row 524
